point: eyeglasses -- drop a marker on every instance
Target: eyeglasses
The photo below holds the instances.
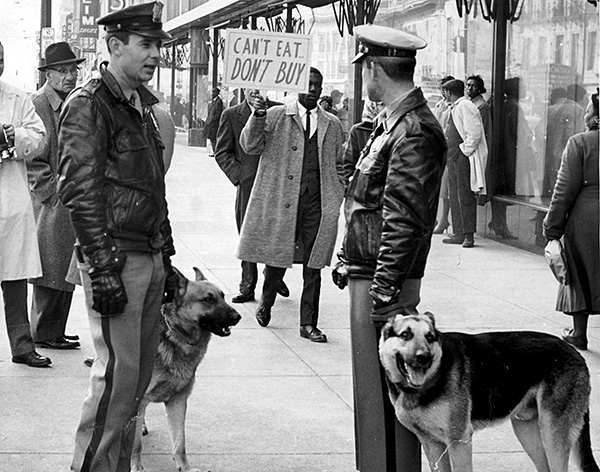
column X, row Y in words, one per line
column 74, row 71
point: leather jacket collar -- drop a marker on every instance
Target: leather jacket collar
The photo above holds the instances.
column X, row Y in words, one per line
column 413, row 100
column 147, row 98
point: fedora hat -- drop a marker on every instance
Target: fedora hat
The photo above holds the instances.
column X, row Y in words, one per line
column 58, row 54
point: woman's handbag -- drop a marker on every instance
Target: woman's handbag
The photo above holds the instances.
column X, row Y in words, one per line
column 555, row 255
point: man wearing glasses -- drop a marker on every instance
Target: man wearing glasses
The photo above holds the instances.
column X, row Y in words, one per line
column 52, row 295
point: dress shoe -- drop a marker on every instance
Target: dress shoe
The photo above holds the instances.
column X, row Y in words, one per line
column 89, row 361
column 454, row 239
column 263, row 315
column 243, row 297
column 469, row 241
column 283, row 290
column 579, row 342
column 32, row 359
column 58, row 343
column 71, row 337
column 313, row 333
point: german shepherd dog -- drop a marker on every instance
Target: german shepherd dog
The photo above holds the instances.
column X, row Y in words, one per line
column 197, row 311
column 444, row 386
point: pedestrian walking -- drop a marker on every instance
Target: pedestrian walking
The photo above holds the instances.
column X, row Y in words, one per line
column 573, row 215
column 240, row 168
column 296, row 196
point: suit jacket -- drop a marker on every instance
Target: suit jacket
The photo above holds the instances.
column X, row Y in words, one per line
column 239, row 167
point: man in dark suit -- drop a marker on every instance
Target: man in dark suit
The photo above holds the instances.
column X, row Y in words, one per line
column 240, row 168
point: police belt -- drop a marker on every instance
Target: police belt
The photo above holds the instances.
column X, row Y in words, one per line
column 131, row 243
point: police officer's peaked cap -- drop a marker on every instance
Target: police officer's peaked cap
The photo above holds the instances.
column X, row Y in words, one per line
column 143, row 20
column 386, row 42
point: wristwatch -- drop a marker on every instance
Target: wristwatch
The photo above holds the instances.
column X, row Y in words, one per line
column 260, row 113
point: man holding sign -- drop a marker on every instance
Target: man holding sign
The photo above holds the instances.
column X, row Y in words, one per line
column 296, row 196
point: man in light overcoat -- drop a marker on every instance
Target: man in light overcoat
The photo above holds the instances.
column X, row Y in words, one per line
column 240, row 168
column 296, row 195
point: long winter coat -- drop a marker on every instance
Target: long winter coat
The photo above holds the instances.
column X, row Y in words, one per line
column 268, row 232
column 19, row 253
column 55, row 232
column 573, row 213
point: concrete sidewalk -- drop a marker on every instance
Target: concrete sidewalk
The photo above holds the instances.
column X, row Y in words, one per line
column 266, row 399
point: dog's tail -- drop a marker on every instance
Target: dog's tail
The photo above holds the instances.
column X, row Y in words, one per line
column 584, row 447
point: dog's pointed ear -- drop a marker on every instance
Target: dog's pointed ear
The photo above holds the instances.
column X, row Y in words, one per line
column 182, row 283
column 199, row 274
column 429, row 315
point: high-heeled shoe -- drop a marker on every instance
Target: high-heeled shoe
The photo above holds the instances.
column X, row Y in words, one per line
column 502, row 233
column 441, row 227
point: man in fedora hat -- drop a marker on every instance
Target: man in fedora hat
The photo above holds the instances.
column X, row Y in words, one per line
column 112, row 182
column 392, row 198
column 52, row 294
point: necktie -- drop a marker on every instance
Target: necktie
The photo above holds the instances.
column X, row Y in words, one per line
column 308, row 123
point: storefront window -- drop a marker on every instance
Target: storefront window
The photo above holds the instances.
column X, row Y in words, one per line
column 546, row 92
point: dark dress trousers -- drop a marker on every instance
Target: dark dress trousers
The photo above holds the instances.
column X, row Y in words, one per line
column 307, row 226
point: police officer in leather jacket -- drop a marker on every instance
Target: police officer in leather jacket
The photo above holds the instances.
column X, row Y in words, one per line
column 112, row 182
column 391, row 205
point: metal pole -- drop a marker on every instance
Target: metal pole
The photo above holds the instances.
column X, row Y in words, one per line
column 498, row 77
column 46, row 22
column 215, row 58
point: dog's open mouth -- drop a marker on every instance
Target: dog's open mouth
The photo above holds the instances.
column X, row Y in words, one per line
column 415, row 375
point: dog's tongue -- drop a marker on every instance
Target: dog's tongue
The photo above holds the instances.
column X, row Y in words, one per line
column 416, row 375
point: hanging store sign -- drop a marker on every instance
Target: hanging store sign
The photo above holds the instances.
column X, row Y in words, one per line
column 267, row 61
column 89, row 12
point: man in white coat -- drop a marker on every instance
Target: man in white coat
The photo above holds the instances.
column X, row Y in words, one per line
column 296, row 196
column 466, row 161
column 22, row 137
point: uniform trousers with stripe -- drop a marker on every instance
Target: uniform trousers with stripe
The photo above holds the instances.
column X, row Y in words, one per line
column 125, row 347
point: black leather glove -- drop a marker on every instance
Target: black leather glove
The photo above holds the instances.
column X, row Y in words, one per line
column 384, row 306
column 108, row 292
column 339, row 274
column 171, row 281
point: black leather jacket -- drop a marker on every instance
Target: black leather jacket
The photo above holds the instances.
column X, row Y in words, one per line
column 392, row 199
column 112, row 172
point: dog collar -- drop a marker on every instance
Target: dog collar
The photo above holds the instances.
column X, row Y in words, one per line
column 178, row 334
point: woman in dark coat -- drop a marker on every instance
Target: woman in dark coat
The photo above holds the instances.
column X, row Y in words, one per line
column 573, row 214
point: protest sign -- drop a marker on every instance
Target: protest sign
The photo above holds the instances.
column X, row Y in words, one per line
column 267, row 61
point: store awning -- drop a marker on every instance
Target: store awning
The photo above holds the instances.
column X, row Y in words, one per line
column 217, row 13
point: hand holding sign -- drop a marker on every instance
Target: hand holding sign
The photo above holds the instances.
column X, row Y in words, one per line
column 257, row 101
